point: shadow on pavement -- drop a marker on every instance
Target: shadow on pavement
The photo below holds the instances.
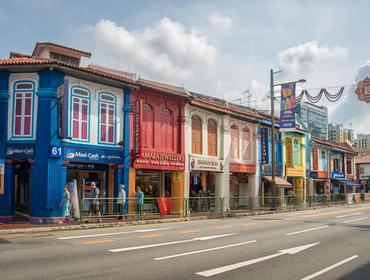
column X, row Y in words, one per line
column 362, row 273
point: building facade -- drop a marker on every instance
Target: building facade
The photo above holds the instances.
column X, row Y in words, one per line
column 59, row 123
column 315, row 118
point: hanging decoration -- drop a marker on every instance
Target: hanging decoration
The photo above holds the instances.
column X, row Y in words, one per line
column 363, row 90
column 330, row 97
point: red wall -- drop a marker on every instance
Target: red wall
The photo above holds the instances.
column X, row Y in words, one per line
column 176, row 127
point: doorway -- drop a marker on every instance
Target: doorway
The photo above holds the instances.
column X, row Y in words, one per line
column 22, row 183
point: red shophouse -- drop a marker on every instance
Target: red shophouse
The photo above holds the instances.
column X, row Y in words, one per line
column 158, row 139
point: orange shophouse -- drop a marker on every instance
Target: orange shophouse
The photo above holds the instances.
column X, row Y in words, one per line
column 157, row 143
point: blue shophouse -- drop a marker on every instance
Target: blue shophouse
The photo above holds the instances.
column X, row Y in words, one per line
column 59, row 122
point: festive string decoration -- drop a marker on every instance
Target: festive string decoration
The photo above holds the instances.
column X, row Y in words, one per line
column 317, row 98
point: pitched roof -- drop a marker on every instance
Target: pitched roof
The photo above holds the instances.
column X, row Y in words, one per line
column 363, row 159
column 46, row 44
column 340, row 146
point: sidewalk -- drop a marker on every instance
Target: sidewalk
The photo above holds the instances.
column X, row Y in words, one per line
column 19, row 227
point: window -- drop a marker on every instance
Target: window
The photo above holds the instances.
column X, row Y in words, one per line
column 212, row 138
column 336, row 164
column 80, row 114
column 349, row 166
column 196, row 135
column 23, row 109
column 107, row 118
column 234, row 142
column 362, row 170
column 323, row 161
column 296, row 160
column 148, row 126
column 246, row 143
column 166, row 129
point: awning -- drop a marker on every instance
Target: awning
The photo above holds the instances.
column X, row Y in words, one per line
column 348, row 182
column 279, row 182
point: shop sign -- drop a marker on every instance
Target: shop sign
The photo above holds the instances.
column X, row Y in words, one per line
column 2, row 174
column 81, row 166
column 93, row 155
column 206, row 164
column 318, row 174
column 56, row 151
column 296, row 171
column 267, row 170
column 20, row 151
column 289, row 152
column 163, row 161
column 242, row 168
column 287, row 107
column 315, row 159
column 137, row 116
column 337, row 175
column 264, row 145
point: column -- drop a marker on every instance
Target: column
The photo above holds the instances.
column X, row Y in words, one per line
column 47, row 174
column 125, row 173
column 7, row 197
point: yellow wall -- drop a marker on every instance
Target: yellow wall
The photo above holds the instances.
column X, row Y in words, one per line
column 131, row 191
column 177, row 193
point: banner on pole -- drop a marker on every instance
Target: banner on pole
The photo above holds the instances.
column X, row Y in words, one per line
column 287, row 107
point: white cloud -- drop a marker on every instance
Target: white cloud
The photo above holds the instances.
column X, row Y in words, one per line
column 221, row 21
column 165, row 50
column 351, row 109
column 304, row 57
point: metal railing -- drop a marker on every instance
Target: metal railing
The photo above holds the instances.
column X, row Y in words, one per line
column 153, row 208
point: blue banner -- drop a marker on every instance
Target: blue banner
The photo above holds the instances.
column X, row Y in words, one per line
column 20, row 150
column 287, row 107
column 264, row 145
column 93, row 155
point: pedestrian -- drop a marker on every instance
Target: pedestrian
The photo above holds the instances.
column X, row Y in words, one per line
column 65, row 204
column 121, row 202
column 139, row 202
column 94, row 194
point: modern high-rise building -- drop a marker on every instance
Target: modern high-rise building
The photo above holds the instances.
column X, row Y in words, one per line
column 337, row 133
column 362, row 142
column 315, row 118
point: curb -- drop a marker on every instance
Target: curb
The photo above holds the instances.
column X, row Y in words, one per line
column 229, row 214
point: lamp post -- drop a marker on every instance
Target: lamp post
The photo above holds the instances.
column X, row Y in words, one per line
column 273, row 164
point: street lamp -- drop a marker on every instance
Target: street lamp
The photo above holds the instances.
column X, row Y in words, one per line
column 273, row 165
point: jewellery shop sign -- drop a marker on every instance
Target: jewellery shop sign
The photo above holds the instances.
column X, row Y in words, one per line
column 206, row 164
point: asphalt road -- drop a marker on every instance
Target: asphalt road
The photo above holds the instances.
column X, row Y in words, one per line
column 328, row 243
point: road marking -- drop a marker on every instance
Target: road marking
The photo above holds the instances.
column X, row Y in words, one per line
column 329, row 268
column 149, row 236
column 190, row 231
column 303, row 213
column 250, row 224
column 223, row 227
column 219, row 270
column 355, row 220
column 306, row 230
column 335, row 212
column 272, row 221
column 98, row 241
column 205, row 250
column 112, row 233
column 204, row 238
column 348, row 215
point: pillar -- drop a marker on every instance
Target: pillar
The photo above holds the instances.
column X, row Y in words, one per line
column 177, row 191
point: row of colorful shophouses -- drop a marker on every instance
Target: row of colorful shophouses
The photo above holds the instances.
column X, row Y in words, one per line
column 62, row 123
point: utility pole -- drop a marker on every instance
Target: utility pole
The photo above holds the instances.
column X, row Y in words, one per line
column 273, row 187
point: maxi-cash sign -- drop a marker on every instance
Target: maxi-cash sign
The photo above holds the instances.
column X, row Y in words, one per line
column 93, row 155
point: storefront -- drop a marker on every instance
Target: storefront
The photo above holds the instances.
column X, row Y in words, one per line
column 101, row 166
column 296, row 177
column 242, row 178
column 20, row 158
column 320, row 183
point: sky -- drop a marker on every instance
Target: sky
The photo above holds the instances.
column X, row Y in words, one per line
column 219, row 48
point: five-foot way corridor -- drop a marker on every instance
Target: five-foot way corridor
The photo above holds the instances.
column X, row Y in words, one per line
column 328, row 243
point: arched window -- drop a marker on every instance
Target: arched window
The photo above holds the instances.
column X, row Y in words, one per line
column 296, row 160
column 166, row 129
column 80, row 114
column 212, row 138
column 107, row 118
column 234, row 142
column 148, row 126
column 246, row 142
column 23, row 101
column 196, row 135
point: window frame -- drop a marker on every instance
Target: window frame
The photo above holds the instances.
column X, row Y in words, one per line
column 193, row 151
column 145, row 111
column 210, row 120
column 114, row 103
column 166, row 112
column 88, row 98
column 23, row 92
column 245, row 130
column 296, row 152
column 235, row 128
